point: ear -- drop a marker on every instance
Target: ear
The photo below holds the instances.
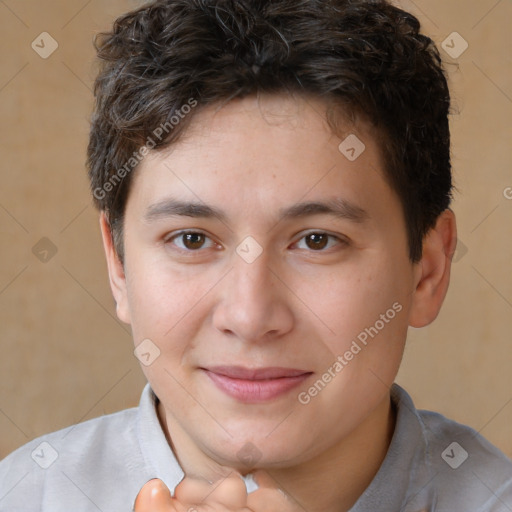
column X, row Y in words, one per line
column 433, row 270
column 115, row 271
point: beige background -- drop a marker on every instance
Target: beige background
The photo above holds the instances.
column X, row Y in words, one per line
column 64, row 356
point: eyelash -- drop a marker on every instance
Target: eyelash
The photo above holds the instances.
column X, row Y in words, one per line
column 340, row 241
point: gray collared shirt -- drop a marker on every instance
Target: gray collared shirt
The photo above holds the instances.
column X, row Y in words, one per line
column 433, row 464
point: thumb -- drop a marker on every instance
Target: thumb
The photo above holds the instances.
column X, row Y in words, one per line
column 154, row 497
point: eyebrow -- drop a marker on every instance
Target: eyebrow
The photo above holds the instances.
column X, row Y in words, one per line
column 337, row 207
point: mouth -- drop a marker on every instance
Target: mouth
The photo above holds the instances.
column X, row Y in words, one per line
column 255, row 385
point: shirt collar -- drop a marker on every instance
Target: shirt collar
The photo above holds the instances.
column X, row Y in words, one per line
column 158, row 455
column 396, row 481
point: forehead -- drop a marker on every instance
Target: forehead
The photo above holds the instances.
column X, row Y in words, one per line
column 262, row 152
column 277, row 118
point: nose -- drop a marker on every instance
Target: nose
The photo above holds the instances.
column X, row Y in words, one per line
column 254, row 304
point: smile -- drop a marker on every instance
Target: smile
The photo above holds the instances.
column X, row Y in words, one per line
column 255, row 385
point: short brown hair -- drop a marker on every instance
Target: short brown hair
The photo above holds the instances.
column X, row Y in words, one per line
column 365, row 54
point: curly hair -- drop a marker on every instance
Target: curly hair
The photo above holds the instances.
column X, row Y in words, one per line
column 366, row 55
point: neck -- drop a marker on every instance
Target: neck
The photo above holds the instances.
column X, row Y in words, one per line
column 330, row 482
column 334, row 480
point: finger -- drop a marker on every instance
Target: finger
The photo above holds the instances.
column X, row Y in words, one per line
column 229, row 491
column 154, row 497
column 193, row 490
column 269, row 497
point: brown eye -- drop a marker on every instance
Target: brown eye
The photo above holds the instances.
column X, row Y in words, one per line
column 190, row 241
column 317, row 241
column 193, row 240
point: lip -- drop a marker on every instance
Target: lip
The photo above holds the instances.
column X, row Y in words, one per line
column 255, row 385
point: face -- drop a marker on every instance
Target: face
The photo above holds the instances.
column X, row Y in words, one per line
column 271, row 274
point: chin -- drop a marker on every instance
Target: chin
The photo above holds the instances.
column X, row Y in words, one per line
column 249, row 453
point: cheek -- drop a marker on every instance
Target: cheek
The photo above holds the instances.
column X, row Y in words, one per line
column 363, row 313
column 170, row 308
column 160, row 302
column 165, row 310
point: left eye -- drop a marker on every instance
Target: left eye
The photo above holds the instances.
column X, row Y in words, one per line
column 318, row 241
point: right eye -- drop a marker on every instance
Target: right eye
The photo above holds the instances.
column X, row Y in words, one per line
column 189, row 241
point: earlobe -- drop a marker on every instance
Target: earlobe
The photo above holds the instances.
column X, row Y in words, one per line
column 115, row 271
column 434, row 270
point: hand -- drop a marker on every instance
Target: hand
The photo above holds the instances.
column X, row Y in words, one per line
column 194, row 495
column 226, row 495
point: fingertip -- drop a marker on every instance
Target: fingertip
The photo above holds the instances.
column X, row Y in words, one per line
column 158, row 489
column 153, row 493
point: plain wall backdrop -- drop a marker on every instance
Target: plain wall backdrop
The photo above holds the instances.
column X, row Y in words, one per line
column 66, row 358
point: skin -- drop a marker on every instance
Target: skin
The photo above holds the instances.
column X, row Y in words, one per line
column 295, row 306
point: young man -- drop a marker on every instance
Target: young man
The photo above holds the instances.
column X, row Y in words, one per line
column 274, row 185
